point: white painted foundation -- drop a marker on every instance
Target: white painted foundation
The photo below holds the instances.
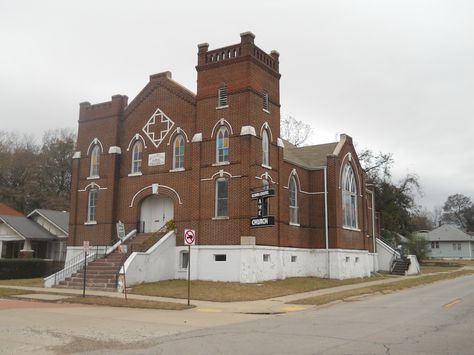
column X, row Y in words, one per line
column 245, row 263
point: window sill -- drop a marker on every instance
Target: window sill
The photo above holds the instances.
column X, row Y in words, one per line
column 93, row 177
column 222, row 107
column 176, row 170
column 139, row 173
column 221, row 163
column 218, row 218
column 90, row 223
column 351, row 229
column 266, row 166
column 266, row 111
column 294, row 224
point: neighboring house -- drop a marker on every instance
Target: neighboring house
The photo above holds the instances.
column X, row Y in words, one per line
column 197, row 158
column 41, row 235
column 450, row 242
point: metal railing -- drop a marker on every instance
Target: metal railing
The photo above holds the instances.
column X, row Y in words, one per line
column 78, row 262
column 75, row 264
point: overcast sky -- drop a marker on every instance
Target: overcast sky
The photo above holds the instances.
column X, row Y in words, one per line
column 397, row 76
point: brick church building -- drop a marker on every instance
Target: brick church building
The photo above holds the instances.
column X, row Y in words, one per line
column 213, row 161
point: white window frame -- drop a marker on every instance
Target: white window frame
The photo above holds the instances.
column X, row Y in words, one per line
column 221, row 135
column 95, row 162
column 349, row 198
column 92, row 199
column 219, row 200
column 137, row 157
column 293, row 201
column 178, row 159
column 265, row 148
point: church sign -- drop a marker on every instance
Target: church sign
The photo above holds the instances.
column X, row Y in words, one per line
column 262, row 220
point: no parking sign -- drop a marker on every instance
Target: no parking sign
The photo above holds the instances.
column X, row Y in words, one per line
column 189, row 237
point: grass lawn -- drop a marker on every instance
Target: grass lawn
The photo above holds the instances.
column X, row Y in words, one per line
column 37, row 282
column 384, row 288
column 8, row 292
column 429, row 269
column 130, row 303
column 234, row 291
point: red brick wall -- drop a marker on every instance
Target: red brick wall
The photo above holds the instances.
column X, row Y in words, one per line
column 247, row 77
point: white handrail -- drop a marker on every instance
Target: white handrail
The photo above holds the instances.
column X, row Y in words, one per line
column 116, row 245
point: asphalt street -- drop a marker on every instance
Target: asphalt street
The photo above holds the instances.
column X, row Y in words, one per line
column 433, row 319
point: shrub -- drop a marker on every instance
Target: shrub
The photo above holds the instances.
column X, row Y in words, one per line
column 27, row 268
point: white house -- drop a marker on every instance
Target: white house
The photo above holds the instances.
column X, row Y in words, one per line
column 449, row 242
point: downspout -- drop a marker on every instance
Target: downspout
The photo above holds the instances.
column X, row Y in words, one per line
column 326, row 218
column 373, row 225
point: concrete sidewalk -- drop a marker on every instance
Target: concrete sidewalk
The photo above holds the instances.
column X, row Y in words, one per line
column 273, row 305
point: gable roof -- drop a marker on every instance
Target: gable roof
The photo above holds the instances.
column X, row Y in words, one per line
column 309, row 157
column 58, row 218
column 27, row 228
column 447, row 233
column 6, row 210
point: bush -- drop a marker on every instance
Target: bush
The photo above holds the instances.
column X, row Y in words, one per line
column 28, row 268
column 418, row 246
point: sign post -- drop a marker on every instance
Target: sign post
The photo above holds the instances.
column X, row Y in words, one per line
column 189, row 239
column 120, row 230
column 86, row 246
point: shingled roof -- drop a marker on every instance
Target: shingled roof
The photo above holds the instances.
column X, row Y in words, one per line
column 58, row 218
column 27, row 228
column 309, row 157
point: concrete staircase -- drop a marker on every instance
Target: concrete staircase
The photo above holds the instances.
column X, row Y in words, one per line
column 101, row 274
column 400, row 266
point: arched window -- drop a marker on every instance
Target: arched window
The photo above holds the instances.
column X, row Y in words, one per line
column 222, row 197
column 178, row 152
column 94, row 168
column 265, row 148
column 222, row 145
column 137, row 155
column 265, row 204
column 293, row 201
column 92, row 205
column 349, row 198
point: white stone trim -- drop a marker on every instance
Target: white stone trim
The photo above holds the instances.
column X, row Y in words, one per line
column 90, row 223
column 221, row 163
column 221, row 122
column 177, row 170
column 221, row 173
column 248, row 131
column 138, row 173
column 178, row 130
column 280, row 143
column 266, row 176
column 115, row 150
column 222, row 107
column 93, row 178
column 94, row 142
column 266, row 126
column 267, row 167
column 356, row 173
column 197, row 138
column 151, row 187
column 92, row 185
column 76, row 155
column 163, row 118
column 136, row 137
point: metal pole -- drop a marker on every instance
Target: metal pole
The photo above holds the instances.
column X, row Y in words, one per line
column 85, row 272
column 326, row 229
column 189, row 273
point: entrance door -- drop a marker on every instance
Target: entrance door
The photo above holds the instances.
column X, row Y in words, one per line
column 155, row 211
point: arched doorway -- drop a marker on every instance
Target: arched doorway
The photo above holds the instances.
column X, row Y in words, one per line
column 155, row 211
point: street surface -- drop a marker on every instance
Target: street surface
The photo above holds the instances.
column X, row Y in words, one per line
column 433, row 319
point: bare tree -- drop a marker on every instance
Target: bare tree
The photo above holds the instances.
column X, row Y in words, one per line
column 294, row 131
column 456, row 210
